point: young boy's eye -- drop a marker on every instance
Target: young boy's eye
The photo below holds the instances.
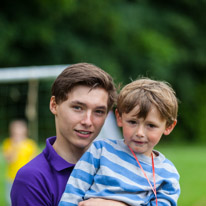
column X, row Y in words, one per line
column 132, row 122
column 151, row 125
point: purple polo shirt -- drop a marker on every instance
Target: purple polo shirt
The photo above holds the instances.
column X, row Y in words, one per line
column 42, row 181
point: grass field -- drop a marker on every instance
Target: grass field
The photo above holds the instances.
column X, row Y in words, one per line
column 2, row 183
column 190, row 162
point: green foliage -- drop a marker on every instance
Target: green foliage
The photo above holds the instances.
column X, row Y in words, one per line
column 160, row 39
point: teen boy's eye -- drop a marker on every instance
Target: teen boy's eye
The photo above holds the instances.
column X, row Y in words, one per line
column 100, row 112
column 78, row 108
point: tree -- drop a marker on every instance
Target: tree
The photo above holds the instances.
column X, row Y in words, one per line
column 160, row 39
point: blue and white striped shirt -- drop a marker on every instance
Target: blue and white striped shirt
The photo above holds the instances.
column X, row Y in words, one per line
column 109, row 170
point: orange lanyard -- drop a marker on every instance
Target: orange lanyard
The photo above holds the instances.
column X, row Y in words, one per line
column 153, row 171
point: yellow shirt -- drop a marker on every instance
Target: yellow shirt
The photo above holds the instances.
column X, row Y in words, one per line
column 22, row 153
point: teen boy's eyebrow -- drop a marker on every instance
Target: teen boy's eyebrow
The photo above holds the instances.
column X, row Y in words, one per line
column 102, row 108
column 84, row 105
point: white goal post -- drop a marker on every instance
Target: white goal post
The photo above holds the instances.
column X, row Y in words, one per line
column 16, row 74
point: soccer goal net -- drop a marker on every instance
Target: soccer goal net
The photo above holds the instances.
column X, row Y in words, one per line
column 25, row 94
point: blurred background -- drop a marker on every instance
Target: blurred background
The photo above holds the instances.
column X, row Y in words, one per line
column 164, row 40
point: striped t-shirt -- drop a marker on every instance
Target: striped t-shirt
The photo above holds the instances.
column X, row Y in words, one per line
column 109, row 170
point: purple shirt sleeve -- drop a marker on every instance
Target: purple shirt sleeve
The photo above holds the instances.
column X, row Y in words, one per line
column 28, row 189
column 42, row 181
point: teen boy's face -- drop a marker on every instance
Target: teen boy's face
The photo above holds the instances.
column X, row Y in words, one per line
column 80, row 118
column 143, row 134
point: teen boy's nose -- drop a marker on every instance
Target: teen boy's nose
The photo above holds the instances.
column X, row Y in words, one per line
column 87, row 118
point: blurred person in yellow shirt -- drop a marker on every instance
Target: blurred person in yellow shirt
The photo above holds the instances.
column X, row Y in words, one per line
column 18, row 149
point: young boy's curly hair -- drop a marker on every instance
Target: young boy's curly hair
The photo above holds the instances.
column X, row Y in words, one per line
column 146, row 92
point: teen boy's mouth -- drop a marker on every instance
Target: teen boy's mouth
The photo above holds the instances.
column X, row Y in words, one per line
column 83, row 133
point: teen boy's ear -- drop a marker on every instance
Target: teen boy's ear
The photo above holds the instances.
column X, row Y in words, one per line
column 53, row 105
column 169, row 129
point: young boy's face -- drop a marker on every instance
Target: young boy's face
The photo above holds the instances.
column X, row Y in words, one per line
column 142, row 134
column 80, row 118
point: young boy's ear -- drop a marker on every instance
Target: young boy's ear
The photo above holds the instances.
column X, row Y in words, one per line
column 118, row 118
column 169, row 129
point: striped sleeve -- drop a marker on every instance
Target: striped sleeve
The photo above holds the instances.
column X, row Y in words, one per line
column 168, row 190
column 81, row 178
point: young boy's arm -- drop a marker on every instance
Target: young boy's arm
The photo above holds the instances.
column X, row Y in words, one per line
column 168, row 193
column 81, row 178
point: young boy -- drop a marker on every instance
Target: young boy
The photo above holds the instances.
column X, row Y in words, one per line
column 130, row 170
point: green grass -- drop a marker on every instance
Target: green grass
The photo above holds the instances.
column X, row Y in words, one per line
column 2, row 180
column 190, row 162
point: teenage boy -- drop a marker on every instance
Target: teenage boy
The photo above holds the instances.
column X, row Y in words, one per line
column 81, row 97
column 130, row 170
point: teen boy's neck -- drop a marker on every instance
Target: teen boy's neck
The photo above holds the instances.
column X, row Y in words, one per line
column 68, row 154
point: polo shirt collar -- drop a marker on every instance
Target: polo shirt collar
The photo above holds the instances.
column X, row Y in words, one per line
column 56, row 161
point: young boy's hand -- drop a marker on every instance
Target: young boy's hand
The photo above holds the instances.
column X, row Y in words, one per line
column 101, row 202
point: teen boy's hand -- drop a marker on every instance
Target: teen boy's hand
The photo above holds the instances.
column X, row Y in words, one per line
column 101, row 202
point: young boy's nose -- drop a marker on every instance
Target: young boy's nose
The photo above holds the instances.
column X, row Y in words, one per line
column 140, row 131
